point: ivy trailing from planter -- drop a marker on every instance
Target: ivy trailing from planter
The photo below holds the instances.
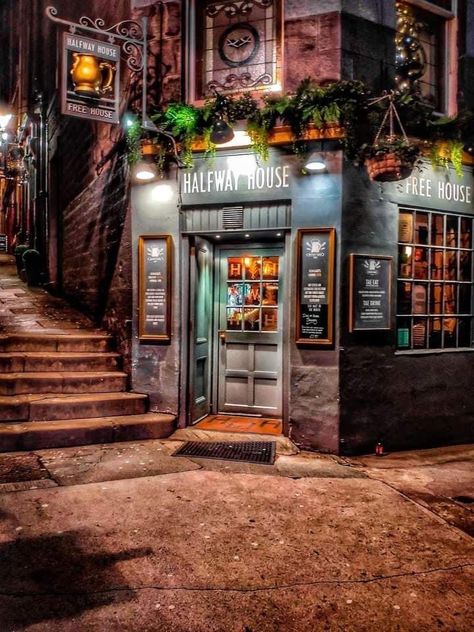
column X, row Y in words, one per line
column 341, row 104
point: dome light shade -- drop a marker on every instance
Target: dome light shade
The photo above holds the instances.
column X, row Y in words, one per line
column 145, row 171
column 315, row 163
column 221, row 132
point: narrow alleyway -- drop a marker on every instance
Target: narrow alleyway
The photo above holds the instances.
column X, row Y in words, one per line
column 60, row 380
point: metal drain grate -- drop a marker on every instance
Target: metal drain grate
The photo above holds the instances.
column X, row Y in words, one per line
column 247, row 451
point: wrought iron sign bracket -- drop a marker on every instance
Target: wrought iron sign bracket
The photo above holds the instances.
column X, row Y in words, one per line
column 132, row 37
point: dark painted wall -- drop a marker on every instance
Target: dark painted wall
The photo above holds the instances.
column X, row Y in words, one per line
column 413, row 399
column 313, row 389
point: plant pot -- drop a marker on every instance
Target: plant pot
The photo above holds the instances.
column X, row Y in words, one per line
column 388, row 168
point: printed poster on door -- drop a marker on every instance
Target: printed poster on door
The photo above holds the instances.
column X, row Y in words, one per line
column 90, row 78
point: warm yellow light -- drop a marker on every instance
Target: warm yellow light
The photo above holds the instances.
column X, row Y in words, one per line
column 4, row 120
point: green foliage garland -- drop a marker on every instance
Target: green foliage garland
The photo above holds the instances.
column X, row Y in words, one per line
column 342, row 103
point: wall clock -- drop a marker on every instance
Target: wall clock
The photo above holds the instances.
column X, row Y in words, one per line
column 238, row 44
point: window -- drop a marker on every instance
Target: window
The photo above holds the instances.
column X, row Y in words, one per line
column 422, row 42
column 435, row 280
column 237, row 46
column 252, row 293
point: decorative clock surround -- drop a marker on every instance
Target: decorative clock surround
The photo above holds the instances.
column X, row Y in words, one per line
column 240, row 45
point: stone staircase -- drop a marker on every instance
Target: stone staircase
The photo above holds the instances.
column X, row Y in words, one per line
column 67, row 389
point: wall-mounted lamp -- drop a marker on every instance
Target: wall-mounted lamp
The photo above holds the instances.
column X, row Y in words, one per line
column 222, row 132
column 315, row 163
column 146, row 170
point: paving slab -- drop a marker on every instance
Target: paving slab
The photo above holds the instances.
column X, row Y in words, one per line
column 440, row 479
column 202, row 550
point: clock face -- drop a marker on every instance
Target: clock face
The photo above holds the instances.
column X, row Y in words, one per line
column 239, row 44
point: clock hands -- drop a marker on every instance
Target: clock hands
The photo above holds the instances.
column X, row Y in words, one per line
column 239, row 42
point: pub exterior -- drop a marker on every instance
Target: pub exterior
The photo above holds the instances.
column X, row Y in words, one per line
column 247, row 287
column 351, row 372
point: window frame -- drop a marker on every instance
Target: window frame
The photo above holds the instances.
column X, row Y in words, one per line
column 448, row 79
column 430, row 212
column 193, row 65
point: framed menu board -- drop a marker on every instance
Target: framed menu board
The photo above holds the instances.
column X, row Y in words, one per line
column 370, row 292
column 154, row 288
column 315, row 286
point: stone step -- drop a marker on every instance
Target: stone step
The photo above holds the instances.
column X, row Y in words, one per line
column 70, row 432
column 62, row 382
column 78, row 342
column 18, row 361
column 50, row 406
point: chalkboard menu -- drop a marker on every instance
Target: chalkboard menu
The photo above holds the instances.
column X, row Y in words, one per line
column 315, row 294
column 370, row 292
column 154, row 270
column 3, row 242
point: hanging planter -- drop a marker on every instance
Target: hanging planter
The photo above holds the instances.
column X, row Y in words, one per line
column 391, row 157
column 391, row 161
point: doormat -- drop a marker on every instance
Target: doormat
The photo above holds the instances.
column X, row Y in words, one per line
column 241, row 424
column 244, row 451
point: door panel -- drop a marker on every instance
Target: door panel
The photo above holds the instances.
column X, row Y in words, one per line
column 250, row 338
column 201, row 318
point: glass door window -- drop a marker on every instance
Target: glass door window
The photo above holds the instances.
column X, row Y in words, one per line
column 252, row 293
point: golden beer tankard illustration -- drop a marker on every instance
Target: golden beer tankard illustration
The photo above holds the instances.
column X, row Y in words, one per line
column 89, row 76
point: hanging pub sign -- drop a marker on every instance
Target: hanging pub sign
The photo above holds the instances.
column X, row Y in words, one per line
column 370, row 292
column 315, row 296
column 90, row 78
column 154, row 288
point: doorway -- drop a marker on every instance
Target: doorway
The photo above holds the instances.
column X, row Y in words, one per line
column 236, row 330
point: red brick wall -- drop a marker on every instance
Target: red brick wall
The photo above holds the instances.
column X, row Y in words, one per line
column 93, row 212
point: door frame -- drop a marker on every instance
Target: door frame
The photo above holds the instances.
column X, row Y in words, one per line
column 184, row 416
column 236, row 247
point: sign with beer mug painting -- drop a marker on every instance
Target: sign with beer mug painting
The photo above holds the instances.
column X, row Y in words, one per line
column 90, row 79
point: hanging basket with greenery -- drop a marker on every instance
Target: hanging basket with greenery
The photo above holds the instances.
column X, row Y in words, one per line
column 390, row 157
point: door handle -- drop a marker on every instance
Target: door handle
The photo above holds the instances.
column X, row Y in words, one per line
column 222, row 335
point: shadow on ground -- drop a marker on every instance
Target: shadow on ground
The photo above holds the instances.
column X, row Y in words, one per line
column 68, row 580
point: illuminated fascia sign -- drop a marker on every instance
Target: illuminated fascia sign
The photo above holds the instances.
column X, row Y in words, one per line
column 90, row 78
column 223, row 180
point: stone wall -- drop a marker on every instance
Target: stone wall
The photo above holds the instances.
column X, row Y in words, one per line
column 315, row 41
